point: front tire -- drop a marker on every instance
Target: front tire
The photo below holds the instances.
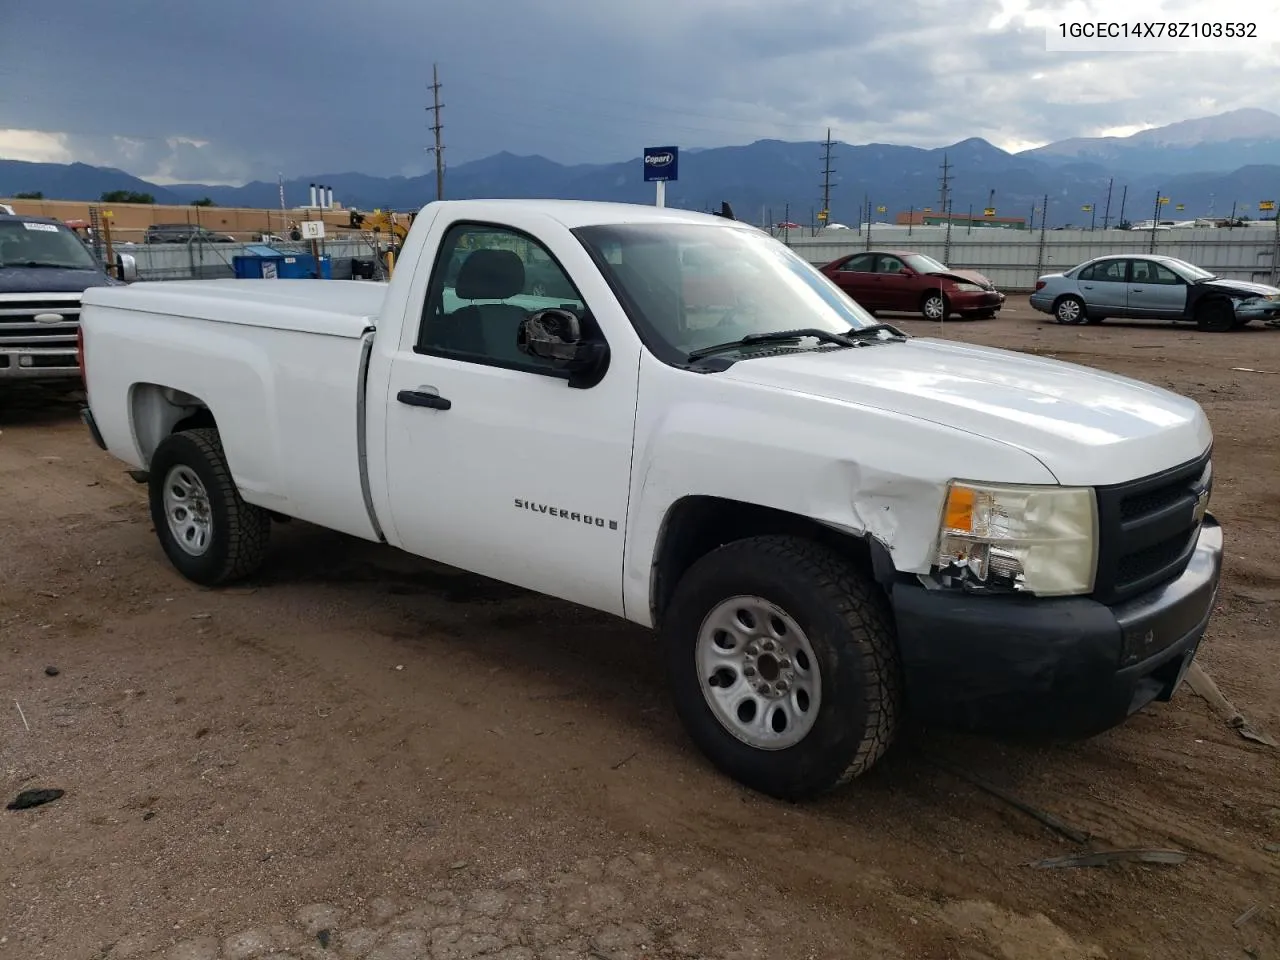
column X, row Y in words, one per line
column 207, row 531
column 1216, row 316
column 783, row 665
column 934, row 306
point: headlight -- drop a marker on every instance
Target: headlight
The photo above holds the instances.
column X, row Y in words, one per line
column 969, row 288
column 1039, row 540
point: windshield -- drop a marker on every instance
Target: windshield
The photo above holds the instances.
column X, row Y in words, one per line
column 688, row 286
column 30, row 243
column 1188, row 270
column 922, row 264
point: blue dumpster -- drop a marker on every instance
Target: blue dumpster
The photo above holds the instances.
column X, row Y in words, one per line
column 262, row 262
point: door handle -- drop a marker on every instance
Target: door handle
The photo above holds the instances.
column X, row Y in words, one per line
column 424, row 398
column 1135, row 289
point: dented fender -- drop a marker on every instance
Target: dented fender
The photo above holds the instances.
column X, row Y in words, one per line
column 865, row 471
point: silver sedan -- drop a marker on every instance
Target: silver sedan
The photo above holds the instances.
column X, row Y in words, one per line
column 1153, row 287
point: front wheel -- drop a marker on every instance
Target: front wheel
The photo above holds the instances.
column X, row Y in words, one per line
column 1216, row 316
column 934, row 307
column 783, row 664
column 208, row 532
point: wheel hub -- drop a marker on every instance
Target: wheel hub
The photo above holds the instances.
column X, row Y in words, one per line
column 758, row 673
column 187, row 509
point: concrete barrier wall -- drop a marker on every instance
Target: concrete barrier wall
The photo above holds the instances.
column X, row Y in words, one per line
column 1014, row 259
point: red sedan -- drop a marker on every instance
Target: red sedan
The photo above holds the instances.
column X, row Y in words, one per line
column 900, row 280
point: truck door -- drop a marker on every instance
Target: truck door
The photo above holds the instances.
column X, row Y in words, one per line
column 494, row 463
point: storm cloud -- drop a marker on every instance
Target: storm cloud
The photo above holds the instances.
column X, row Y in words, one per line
column 228, row 91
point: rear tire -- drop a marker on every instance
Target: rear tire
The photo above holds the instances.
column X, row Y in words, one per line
column 773, row 610
column 1070, row 311
column 207, row 531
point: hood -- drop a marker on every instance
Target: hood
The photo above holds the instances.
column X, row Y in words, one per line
column 51, row 280
column 1245, row 288
column 967, row 276
column 1086, row 426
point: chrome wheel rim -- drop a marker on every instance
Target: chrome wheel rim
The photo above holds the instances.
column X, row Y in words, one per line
column 758, row 673
column 186, row 507
column 933, row 308
column 1069, row 311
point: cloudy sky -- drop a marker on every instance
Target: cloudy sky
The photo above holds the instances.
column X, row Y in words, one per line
column 232, row 90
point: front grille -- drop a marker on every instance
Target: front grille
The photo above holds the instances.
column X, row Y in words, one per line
column 1147, row 529
column 18, row 327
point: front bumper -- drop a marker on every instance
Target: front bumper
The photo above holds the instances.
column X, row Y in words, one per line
column 38, row 363
column 1057, row 666
column 984, row 302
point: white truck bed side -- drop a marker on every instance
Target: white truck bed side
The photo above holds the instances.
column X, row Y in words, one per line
column 285, row 356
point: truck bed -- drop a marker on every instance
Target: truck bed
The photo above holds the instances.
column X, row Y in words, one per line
column 278, row 363
column 335, row 308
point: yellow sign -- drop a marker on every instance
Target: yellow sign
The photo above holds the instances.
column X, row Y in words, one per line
column 928, row 210
column 1267, row 205
column 1179, row 207
column 1163, row 200
column 880, row 209
column 1087, row 208
column 989, row 212
column 822, row 214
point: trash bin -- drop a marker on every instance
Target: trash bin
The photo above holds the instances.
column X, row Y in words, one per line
column 362, row 268
column 258, row 262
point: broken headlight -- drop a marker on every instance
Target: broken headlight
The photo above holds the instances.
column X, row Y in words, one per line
column 1040, row 540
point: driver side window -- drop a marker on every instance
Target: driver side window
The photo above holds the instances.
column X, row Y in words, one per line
column 486, row 280
column 889, row 264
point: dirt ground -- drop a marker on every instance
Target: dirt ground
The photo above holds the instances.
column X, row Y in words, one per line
column 361, row 754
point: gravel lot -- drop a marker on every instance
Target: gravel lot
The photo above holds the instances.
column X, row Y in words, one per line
column 361, row 754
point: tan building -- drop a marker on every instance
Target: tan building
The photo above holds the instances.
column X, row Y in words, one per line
column 129, row 221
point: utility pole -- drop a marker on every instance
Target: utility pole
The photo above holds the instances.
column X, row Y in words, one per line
column 827, row 170
column 1155, row 222
column 1124, row 195
column 436, row 128
column 1106, row 215
column 944, row 194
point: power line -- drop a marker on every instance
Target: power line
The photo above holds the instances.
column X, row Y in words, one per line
column 827, row 170
column 436, row 129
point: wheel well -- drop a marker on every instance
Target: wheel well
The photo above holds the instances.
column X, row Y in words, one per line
column 697, row 525
column 930, row 292
column 156, row 411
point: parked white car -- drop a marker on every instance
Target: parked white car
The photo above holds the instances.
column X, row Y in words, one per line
column 829, row 523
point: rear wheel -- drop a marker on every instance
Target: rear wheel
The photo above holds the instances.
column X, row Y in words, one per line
column 782, row 660
column 1216, row 316
column 1070, row 310
column 934, row 306
column 208, row 532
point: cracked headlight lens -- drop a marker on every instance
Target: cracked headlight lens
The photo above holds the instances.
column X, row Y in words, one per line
column 1041, row 540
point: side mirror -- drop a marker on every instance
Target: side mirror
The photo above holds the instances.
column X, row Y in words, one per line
column 551, row 334
column 907, row 272
column 126, row 267
column 556, row 335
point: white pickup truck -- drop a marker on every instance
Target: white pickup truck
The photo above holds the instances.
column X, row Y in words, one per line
column 828, row 523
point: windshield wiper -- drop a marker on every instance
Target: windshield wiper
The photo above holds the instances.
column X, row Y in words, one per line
column 45, row 264
column 776, row 336
column 877, row 328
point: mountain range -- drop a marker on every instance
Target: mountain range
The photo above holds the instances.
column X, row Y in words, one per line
column 1206, row 164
